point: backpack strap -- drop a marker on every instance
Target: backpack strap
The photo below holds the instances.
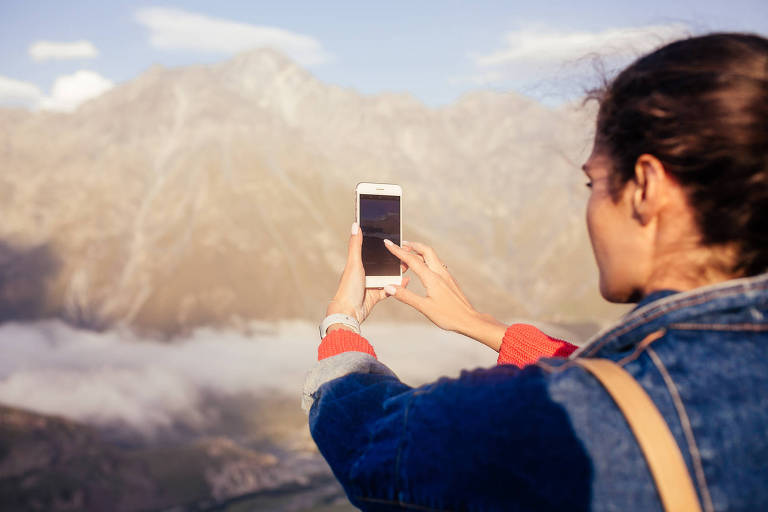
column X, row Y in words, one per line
column 652, row 433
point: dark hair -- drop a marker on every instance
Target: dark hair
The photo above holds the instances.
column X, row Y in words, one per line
column 700, row 106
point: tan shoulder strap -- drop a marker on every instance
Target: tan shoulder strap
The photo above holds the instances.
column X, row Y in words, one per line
column 652, row 433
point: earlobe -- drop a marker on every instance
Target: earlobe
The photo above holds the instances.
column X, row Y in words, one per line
column 639, row 194
column 646, row 200
column 637, row 203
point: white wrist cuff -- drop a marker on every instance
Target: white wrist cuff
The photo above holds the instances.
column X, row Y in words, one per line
column 339, row 318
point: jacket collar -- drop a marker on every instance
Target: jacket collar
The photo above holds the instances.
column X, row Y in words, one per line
column 660, row 309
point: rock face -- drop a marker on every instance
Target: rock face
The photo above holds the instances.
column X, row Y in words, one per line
column 52, row 464
column 49, row 463
column 213, row 195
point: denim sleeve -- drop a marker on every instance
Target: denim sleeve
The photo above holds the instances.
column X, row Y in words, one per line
column 491, row 439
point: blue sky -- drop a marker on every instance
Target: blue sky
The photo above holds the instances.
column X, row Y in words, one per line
column 435, row 50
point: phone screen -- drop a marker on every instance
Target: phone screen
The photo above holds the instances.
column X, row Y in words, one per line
column 380, row 219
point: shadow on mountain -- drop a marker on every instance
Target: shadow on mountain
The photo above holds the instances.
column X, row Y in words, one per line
column 25, row 274
column 55, row 464
column 30, row 288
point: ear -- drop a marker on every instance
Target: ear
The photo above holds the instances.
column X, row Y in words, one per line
column 650, row 193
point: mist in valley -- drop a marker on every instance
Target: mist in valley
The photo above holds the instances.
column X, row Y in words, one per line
column 218, row 410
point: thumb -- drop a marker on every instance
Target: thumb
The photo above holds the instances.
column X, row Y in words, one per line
column 354, row 253
column 406, row 296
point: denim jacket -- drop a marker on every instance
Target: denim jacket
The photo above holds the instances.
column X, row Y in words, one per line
column 548, row 436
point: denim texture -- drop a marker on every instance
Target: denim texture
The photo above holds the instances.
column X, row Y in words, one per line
column 549, row 437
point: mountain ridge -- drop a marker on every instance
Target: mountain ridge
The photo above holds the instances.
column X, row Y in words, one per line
column 219, row 194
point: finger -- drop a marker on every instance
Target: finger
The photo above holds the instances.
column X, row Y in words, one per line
column 406, row 296
column 375, row 295
column 355, row 248
column 437, row 266
column 428, row 253
column 372, row 297
column 408, row 249
column 404, row 266
column 413, row 261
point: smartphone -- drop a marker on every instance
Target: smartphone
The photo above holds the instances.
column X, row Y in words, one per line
column 379, row 214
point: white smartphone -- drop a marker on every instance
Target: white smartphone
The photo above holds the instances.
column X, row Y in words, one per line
column 379, row 215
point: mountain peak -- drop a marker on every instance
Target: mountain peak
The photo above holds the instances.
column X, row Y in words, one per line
column 261, row 60
column 220, row 176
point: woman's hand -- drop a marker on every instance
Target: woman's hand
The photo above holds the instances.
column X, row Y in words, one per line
column 445, row 304
column 352, row 298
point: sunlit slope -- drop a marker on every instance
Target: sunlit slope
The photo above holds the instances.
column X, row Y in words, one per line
column 214, row 195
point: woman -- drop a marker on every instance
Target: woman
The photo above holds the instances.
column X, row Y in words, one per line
column 678, row 220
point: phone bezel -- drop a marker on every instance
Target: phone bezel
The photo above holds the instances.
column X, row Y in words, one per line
column 381, row 189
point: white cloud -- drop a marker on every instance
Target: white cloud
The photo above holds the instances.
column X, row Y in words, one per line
column 531, row 46
column 531, row 58
column 175, row 29
column 18, row 93
column 69, row 91
column 43, row 50
column 114, row 378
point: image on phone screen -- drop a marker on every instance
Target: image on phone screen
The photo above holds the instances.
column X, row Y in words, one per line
column 380, row 219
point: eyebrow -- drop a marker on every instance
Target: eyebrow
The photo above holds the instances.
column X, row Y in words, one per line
column 585, row 168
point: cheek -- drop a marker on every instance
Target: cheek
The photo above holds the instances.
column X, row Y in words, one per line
column 617, row 246
column 594, row 226
column 603, row 236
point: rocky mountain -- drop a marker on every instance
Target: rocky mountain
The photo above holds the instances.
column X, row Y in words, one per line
column 49, row 463
column 218, row 194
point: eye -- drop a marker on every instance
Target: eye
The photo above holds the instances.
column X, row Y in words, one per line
column 588, row 185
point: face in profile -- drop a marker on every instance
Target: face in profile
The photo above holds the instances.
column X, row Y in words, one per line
column 615, row 233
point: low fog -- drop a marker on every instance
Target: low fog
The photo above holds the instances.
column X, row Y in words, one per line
column 115, row 378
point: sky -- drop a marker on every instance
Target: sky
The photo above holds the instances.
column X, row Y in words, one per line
column 55, row 55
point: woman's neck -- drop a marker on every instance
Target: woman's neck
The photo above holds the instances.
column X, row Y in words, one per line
column 686, row 268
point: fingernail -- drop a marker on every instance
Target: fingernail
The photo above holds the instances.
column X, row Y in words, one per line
column 405, row 242
column 389, row 289
column 355, row 227
column 388, row 242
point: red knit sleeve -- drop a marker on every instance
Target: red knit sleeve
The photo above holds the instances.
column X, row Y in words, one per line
column 342, row 340
column 524, row 344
